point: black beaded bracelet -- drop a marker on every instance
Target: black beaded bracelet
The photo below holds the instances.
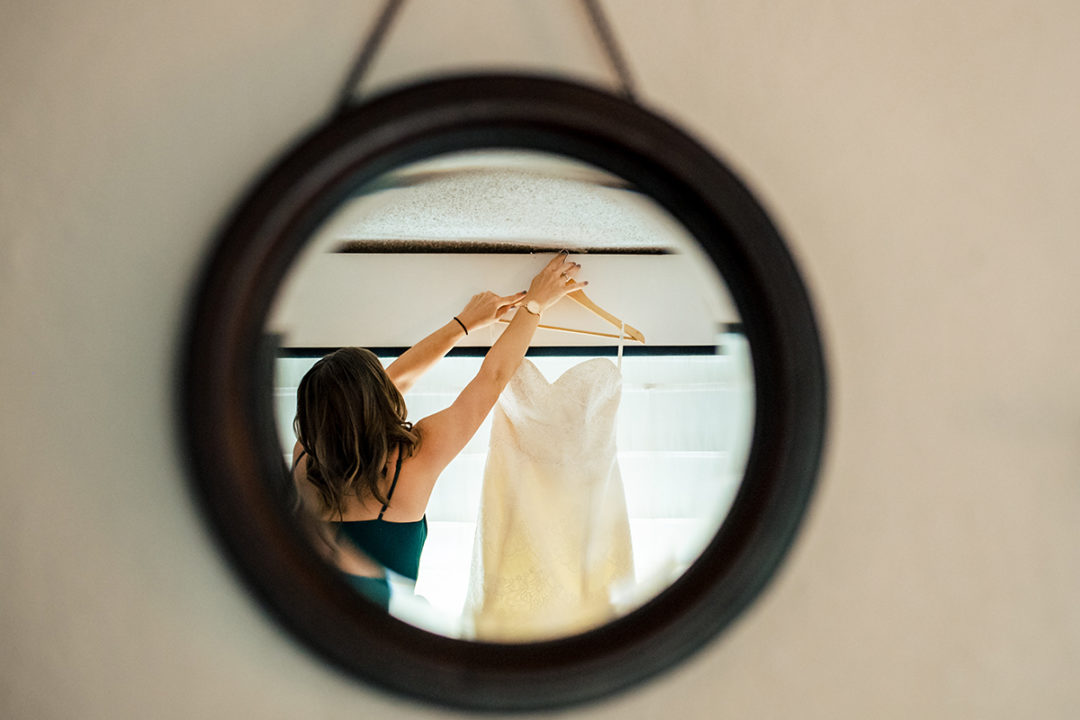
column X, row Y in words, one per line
column 462, row 325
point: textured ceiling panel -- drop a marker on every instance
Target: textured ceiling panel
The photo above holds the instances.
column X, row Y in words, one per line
column 501, row 202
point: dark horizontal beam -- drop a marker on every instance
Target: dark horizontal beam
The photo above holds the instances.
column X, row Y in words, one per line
column 486, row 247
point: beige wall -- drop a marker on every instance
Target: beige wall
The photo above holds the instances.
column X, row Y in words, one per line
column 924, row 161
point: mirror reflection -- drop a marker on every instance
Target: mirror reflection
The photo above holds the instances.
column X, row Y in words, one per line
column 513, row 393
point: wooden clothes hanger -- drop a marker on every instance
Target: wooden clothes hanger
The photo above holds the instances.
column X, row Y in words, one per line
column 628, row 332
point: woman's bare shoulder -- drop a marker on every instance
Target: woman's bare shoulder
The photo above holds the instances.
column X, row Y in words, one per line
column 310, row 498
column 415, row 483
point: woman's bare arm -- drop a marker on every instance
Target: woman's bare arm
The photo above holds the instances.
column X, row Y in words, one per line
column 482, row 310
column 417, row 360
column 446, row 433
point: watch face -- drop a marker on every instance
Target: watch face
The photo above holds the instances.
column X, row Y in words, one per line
column 533, row 307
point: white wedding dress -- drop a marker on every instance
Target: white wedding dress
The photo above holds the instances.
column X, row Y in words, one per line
column 552, row 537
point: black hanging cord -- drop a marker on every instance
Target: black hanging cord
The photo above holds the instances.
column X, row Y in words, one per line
column 375, row 37
column 367, row 52
column 607, row 39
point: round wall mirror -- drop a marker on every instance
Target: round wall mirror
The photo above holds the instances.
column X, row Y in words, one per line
column 639, row 478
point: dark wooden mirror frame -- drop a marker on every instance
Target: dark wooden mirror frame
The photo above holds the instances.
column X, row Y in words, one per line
column 233, row 446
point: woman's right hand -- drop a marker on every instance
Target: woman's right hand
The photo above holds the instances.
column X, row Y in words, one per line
column 554, row 282
column 485, row 308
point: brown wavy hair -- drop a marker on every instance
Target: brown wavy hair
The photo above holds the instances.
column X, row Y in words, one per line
column 349, row 417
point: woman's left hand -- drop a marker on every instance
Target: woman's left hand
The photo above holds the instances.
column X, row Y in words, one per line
column 487, row 307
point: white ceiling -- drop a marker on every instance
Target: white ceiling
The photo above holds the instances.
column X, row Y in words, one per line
column 504, row 197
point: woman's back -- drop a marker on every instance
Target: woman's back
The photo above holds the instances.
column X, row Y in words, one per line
column 392, row 542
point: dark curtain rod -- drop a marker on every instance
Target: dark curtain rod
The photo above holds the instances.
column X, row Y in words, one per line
column 463, row 247
column 543, row 351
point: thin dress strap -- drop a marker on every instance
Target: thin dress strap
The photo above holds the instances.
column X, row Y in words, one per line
column 393, row 485
column 622, row 334
column 293, row 468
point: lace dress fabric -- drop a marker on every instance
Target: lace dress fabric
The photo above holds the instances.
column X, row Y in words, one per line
column 552, row 538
